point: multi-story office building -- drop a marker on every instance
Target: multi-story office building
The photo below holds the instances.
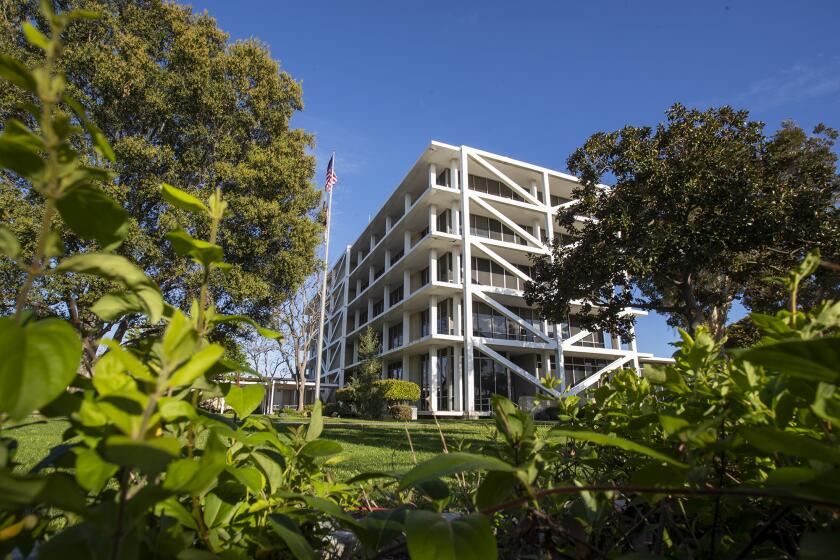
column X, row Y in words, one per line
column 438, row 273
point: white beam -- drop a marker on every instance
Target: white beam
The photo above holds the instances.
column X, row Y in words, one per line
column 513, row 367
column 592, row 379
column 511, row 315
column 505, row 179
column 507, row 221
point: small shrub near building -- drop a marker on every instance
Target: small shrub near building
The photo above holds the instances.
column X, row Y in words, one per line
column 398, row 391
column 401, row 412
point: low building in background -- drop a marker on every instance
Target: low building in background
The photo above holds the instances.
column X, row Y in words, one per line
column 439, row 274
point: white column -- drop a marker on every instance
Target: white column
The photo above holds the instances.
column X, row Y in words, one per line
column 432, row 175
column 388, row 224
column 386, row 300
column 433, row 379
column 549, row 234
column 370, row 309
column 371, row 273
column 469, row 374
column 533, row 188
column 453, row 174
column 406, row 283
column 432, row 218
column 406, row 322
column 407, row 199
column 271, row 398
column 358, row 287
column 406, row 242
column 387, row 258
column 458, row 379
column 635, row 351
column 385, row 342
column 456, row 316
column 433, row 263
column 453, row 216
column 359, row 256
column 358, row 314
column 405, row 364
column 456, row 262
column 372, row 241
column 433, row 312
column 343, row 346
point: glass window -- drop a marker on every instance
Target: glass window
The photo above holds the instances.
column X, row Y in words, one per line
column 495, row 230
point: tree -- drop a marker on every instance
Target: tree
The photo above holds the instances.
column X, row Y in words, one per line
column 297, row 320
column 367, row 395
column 179, row 104
column 703, row 207
column 264, row 357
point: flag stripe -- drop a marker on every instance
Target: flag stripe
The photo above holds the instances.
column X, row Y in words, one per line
column 332, row 178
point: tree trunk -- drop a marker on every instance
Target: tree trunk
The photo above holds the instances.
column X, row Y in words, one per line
column 301, row 387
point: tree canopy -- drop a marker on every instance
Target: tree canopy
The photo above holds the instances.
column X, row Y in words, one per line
column 704, row 206
column 179, row 104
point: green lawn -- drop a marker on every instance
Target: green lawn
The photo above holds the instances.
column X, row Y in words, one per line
column 368, row 445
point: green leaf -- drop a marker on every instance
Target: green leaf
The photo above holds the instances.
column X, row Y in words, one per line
column 196, row 366
column 771, row 440
column 53, row 246
column 244, row 400
column 818, row 546
column 316, row 423
column 35, row 37
column 272, row 466
column 815, row 359
column 113, row 306
column 267, row 333
column 18, row 490
column 15, row 72
column 185, row 245
column 92, row 472
column 250, row 477
column 180, row 199
column 291, row 535
column 118, row 269
column 321, row 448
column 431, row 537
column 179, row 339
column 495, row 489
column 672, row 424
column 99, row 141
column 191, row 476
column 38, row 363
column 172, row 409
column 129, row 361
column 92, row 214
column 9, row 245
column 150, row 456
column 615, row 441
column 20, row 157
column 451, row 463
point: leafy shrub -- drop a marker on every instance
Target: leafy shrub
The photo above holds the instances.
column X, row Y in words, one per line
column 401, row 412
column 397, row 390
column 331, row 409
column 345, row 395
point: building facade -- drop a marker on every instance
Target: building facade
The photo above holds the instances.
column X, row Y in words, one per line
column 438, row 274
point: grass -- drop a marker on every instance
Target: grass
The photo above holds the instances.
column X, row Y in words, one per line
column 368, row 445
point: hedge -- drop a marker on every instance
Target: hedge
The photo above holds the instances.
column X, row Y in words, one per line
column 397, row 390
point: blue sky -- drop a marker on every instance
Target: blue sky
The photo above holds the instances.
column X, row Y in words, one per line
column 531, row 80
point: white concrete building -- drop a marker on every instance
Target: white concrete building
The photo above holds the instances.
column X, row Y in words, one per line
column 439, row 274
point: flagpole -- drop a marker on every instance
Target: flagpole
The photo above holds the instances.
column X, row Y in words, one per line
column 319, row 359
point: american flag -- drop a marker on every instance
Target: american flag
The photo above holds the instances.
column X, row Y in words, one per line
column 332, row 178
